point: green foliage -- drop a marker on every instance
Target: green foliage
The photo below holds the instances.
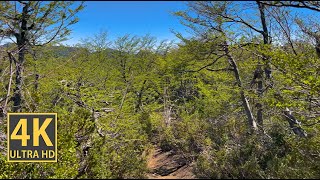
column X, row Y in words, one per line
column 119, row 154
column 115, row 99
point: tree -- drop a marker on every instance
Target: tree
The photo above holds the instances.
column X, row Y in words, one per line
column 311, row 5
column 211, row 20
column 34, row 23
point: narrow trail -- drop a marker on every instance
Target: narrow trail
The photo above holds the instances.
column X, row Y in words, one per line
column 168, row 165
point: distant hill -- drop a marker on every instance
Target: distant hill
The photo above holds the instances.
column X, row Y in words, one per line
column 63, row 51
column 59, row 51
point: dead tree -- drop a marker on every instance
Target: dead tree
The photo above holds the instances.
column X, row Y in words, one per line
column 294, row 123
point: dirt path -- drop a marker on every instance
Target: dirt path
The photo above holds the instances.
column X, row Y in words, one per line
column 168, row 165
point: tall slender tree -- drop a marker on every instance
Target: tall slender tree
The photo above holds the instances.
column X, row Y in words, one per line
column 34, row 23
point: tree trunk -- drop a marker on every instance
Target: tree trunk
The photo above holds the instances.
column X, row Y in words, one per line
column 260, row 93
column 265, row 32
column 17, row 97
column 139, row 96
column 267, row 70
column 294, row 124
column 21, row 42
column 245, row 102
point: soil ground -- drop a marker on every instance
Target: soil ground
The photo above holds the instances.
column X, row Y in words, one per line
column 168, row 165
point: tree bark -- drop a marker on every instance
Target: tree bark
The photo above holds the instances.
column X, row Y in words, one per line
column 21, row 42
column 267, row 70
column 265, row 32
column 245, row 102
column 139, row 96
column 294, row 124
column 17, row 97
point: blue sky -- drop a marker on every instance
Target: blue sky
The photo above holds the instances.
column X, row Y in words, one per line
column 140, row 18
column 122, row 17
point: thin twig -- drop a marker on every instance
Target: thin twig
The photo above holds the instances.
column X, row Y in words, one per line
column 9, row 87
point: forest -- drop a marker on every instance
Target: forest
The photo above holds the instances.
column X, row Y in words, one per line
column 238, row 99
